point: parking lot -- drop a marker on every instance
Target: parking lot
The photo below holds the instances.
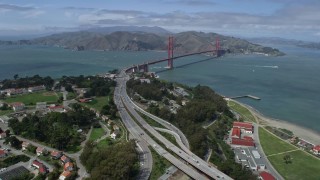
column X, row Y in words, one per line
column 7, row 175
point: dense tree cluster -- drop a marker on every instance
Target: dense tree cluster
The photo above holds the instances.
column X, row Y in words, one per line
column 59, row 130
column 25, row 82
column 98, row 86
column 110, row 109
column 119, row 161
column 152, row 91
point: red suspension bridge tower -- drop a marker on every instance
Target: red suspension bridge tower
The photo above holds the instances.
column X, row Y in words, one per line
column 170, row 52
column 217, row 46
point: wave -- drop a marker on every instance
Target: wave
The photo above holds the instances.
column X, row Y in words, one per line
column 274, row 67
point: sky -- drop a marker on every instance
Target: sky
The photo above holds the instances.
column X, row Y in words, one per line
column 292, row 19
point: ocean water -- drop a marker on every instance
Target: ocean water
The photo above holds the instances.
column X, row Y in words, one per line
column 288, row 86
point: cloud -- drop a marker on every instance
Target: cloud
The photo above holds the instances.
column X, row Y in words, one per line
column 11, row 7
column 192, row 2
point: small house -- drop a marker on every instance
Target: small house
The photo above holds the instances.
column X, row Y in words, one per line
column 316, row 150
column 17, row 106
column 64, row 175
column 41, row 151
column 25, row 145
column 64, row 159
column 56, row 154
column 2, row 153
column 36, row 164
column 3, row 135
column 68, row 166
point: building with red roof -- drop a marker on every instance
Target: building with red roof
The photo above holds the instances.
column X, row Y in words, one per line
column 2, row 153
column 17, row 106
column 56, row 154
column 266, row 176
column 316, row 150
column 65, row 175
column 68, row 166
column 36, row 164
column 64, row 159
column 242, row 142
column 236, row 132
column 247, row 127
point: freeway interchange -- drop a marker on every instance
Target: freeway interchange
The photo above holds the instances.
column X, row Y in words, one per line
column 187, row 162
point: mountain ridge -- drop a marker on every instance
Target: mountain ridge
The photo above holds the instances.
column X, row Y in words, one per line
column 185, row 42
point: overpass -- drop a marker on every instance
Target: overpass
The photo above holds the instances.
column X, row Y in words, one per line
column 144, row 67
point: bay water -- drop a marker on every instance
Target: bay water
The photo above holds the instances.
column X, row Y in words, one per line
column 288, row 86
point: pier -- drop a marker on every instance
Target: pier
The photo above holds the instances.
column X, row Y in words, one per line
column 246, row 96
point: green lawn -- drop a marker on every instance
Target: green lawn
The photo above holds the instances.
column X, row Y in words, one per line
column 303, row 166
column 98, row 102
column 244, row 112
column 96, row 134
column 159, row 165
column 5, row 112
column 32, row 99
column 271, row 144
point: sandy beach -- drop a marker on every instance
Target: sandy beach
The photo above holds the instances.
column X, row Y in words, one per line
column 302, row 132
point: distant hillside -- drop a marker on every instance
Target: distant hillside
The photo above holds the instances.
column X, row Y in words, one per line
column 185, row 42
column 146, row 29
column 282, row 41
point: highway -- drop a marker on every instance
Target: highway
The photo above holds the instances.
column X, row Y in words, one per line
column 144, row 139
column 162, row 122
column 189, row 157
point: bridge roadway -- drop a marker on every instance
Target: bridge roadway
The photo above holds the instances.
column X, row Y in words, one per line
column 143, row 139
column 176, row 57
column 189, row 157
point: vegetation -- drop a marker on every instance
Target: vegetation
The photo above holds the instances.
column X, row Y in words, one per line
column 14, row 141
column 205, row 106
column 301, row 165
column 32, row 99
column 153, row 91
column 97, row 86
column 98, row 102
column 96, row 134
column 4, row 112
column 289, row 161
column 159, row 165
column 244, row 112
column 271, row 144
column 119, row 161
column 9, row 161
column 25, row 176
column 27, row 82
column 59, row 130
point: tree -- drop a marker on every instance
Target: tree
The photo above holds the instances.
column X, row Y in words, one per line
column 14, row 142
column 287, row 159
column 16, row 76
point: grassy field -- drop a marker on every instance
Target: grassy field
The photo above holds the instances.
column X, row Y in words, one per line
column 271, row 144
column 32, row 99
column 96, row 134
column 5, row 112
column 244, row 112
column 98, row 102
column 303, row 166
column 159, row 165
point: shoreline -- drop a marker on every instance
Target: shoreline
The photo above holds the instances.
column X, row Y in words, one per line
column 302, row 132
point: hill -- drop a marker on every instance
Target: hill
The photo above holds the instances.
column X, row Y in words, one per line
column 185, row 42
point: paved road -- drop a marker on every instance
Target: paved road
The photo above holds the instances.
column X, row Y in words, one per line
column 162, row 122
column 145, row 139
column 191, row 158
column 260, row 149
